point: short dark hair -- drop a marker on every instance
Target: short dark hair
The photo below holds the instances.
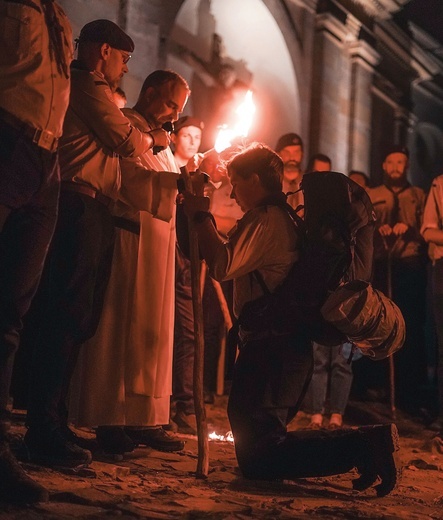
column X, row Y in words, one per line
column 363, row 175
column 317, row 157
column 260, row 159
column 160, row 77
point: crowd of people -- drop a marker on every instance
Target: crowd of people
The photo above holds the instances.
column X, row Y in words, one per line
column 89, row 254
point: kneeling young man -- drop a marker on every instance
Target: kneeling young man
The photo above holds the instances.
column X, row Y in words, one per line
column 272, row 373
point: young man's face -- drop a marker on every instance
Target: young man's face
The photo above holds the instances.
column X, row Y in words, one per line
column 395, row 166
column 359, row 179
column 166, row 102
column 187, row 141
column 321, row 166
column 292, row 157
column 243, row 191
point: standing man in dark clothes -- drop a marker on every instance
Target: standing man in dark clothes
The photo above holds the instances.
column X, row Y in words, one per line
column 34, row 70
column 290, row 149
column 272, row 372
column 400, row 268
column 187, row 137
column 70, row 298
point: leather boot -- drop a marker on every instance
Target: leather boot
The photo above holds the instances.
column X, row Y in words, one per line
column 15, row 485
column 379, row 459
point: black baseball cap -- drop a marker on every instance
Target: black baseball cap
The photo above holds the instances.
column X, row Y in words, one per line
column 105, row 31
column 288, row 140
column 187, row 121
column 396, row 148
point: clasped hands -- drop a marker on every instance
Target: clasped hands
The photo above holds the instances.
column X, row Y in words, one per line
column 195, row 201
column 398, row 229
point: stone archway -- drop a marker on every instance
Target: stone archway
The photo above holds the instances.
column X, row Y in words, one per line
column 252, row 42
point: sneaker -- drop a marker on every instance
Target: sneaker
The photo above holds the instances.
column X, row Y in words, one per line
column 380, row 460
column 316, row 422
column 50, row 448
column 15, row 485
column 335, row 422
column 156, row 438
column 113, row 440
column 186, row 424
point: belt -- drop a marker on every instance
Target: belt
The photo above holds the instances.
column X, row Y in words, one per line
column 127, row 225
column 42, row 138
column 87, row 190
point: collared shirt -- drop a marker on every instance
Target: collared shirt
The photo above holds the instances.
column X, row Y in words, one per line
column 295, row 199
column 95, row 134
column 31, row 87
column 405, row 206
column 264, row 239
column 433, row 215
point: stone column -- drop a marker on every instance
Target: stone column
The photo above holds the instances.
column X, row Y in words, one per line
column 363, row 60
column 330, row 91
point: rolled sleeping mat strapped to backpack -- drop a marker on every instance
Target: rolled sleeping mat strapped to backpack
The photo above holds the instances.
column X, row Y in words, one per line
column 370, row 320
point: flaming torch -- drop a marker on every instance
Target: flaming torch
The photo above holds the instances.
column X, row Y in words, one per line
column 245, row 113
column 226, row 135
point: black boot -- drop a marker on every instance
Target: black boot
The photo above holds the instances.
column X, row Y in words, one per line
column 113, row 440
column 50, row 448
column 379, row 459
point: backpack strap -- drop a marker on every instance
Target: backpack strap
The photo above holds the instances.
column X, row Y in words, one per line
column 261, row 281
column 299, row 228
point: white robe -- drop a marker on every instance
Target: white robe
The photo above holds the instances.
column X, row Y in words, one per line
column 124, row 374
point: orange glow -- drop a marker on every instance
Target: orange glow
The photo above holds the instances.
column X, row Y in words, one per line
column 245, row 114
column 228, row 437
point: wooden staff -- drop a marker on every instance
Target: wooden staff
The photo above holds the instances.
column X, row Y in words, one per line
column 227, row 325
column 199, row 344
column 390, row 251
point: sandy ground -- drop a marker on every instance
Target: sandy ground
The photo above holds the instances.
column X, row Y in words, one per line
column 155, row 485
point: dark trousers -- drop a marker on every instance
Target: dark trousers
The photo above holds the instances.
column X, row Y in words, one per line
column 69, row 302
column 183, row 364
column 270, row 380
column 437, row 297
column 408, row 290
column 29, row 188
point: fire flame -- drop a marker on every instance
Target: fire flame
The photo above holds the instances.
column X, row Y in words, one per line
column 228, row 437
column 245, row 113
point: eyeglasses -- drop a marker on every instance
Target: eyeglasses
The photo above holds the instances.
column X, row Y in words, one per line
column 126, row 57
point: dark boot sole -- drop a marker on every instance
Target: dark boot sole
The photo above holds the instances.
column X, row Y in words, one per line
column 386, row 466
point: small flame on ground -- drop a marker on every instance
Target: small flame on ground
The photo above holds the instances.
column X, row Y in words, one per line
column 245, row 113
column 228, row 437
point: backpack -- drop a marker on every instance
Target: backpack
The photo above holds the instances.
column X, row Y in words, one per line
column 336, row 237
column 371, row 321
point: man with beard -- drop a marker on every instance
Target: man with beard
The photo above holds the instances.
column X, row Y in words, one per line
column 70, row 297
column 290, row 149
column 400, row 267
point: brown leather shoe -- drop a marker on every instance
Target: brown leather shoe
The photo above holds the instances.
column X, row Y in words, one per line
column 156, row 438
column 379, row 459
